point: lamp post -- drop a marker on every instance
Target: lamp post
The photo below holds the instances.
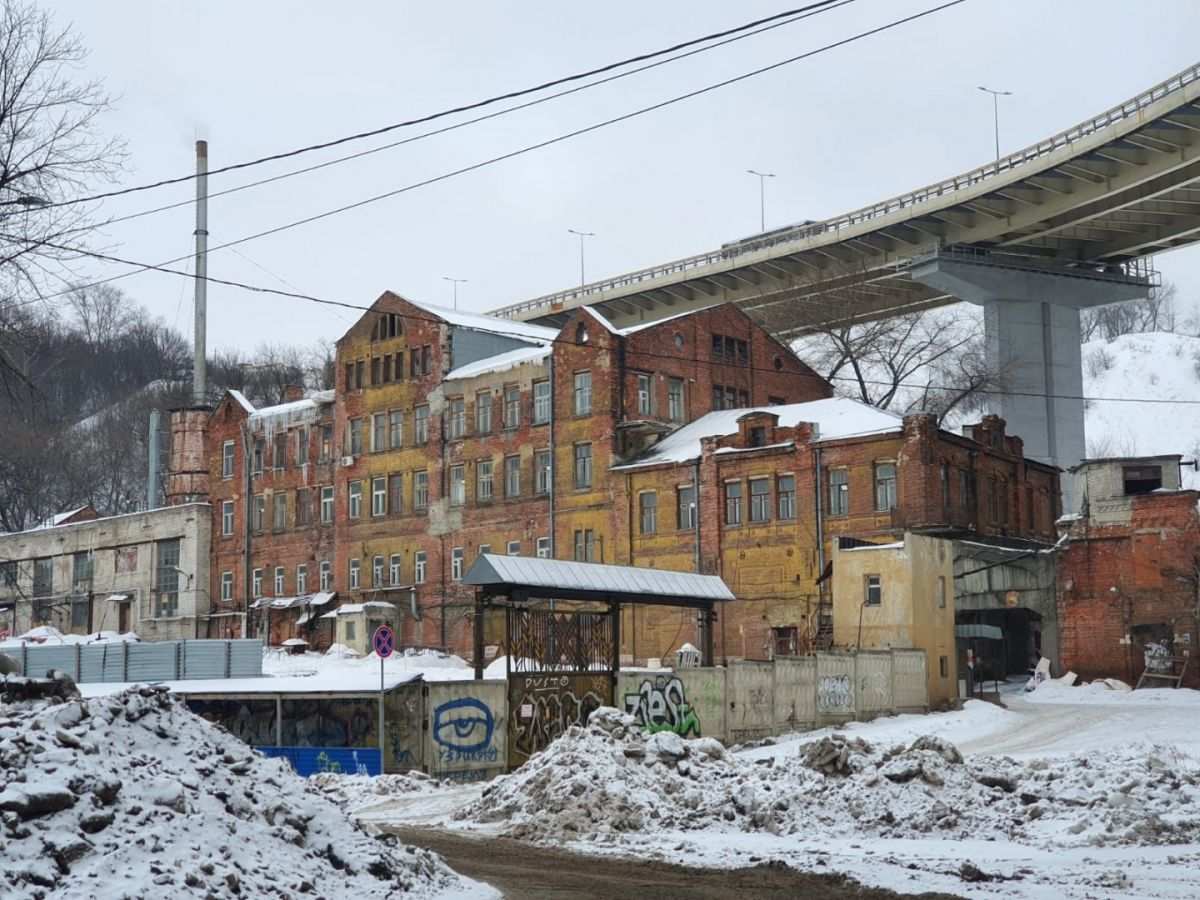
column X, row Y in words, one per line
column 762, row 196
column 581, row 235
column 456, row 282
column 996, row 95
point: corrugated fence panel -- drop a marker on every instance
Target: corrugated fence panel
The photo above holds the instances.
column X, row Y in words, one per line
column 205, row 659
column 102, row 662
column 468, row 729
column 153, row 661
column 909, row 668
column 245, row 658
column 873, row 683
column 835, row 686
column 795, row 693
column 751, row 700
column 40, row 660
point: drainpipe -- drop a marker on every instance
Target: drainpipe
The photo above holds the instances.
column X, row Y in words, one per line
column 696, row 502
column 247, row 531
column 550, row 476
column 820, row 515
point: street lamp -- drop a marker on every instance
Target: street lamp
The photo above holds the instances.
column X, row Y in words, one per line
column 456, row 282
column 581, row 235
column 762, row 196
column 996, row 95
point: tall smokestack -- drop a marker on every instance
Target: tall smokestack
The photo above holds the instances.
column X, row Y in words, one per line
column 199, row 341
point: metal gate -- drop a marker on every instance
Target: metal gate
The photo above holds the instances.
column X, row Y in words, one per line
column 560, row 671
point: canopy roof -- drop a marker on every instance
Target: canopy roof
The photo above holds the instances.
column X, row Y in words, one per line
column 529, row 578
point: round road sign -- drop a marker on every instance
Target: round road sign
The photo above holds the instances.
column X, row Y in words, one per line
column 384, row 641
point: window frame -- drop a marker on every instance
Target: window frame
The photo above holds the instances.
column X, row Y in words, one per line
column 583, row 472
column 872, row 583
column 888, row 485
column 760, row 503
column 582, row 393
column 228, row 513
column 785, row 497
column 647, row 512
column 354, row 492
column 379, row 496
column 733, row 503
column 354, row 581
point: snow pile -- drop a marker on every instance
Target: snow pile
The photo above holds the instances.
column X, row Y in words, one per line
column 49, row 635
column 355, row 792
column 1102, row 693
column 354, row 670
column 131, row 796
column 607, row 779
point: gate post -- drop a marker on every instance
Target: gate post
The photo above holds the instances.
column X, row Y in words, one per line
column 478, row 635
column 615, row 612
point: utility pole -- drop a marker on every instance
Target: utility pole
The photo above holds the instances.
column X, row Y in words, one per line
column 456, row 282
column 996, row 95
column 199, row 340
column 762, row 196
column 581, row 235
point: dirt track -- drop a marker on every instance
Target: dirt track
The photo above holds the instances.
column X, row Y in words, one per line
column 526, row 872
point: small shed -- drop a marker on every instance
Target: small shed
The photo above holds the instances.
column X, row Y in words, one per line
column 354, row 623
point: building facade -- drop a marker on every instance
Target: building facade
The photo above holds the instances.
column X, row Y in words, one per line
column 143, row 572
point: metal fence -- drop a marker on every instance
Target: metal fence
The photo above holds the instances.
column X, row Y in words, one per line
column 142, row 661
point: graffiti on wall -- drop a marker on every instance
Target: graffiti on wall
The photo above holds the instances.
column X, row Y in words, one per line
column 542, row 707
column 463, row 729
column 662, row 705
column 834, row 693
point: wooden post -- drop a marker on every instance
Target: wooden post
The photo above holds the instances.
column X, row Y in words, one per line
column 478, row 623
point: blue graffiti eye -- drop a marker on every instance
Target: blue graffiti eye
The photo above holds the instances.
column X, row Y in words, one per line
column 464, row 725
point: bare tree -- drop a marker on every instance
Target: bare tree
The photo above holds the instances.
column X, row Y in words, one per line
column 102, row 311
column 1153, row 313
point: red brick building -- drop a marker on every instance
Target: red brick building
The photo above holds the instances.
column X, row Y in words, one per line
column 1128, row 571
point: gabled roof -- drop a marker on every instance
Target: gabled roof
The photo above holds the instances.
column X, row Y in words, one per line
column 501, row 362
column 555, row 578
column 523, row 331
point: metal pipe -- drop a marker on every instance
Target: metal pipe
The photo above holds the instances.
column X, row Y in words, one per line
column 152, row 461
column 199, row 341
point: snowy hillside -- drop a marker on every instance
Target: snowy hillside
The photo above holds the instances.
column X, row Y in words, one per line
column 1140, row 366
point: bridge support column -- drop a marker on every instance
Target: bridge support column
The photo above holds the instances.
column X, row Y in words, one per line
column 1031, row 331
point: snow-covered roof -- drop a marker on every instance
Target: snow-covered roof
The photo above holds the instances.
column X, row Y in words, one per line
column 500, row 363
column 835, row 417
column 349, row 609
column 493, row 324
column 342, row 680
column 527, row 571
column 241, row 399
column 641, row 326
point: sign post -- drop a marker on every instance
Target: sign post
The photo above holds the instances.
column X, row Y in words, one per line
column 384, row 642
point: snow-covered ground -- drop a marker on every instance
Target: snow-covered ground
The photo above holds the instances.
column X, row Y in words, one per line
column 431, row 665
column 1069, row 792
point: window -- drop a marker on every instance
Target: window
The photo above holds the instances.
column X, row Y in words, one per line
column 726, row 396
column 260, row 512
column 8, row 574
column 414, row 359
column 733, row 503
column 396, row 494
column 456, row 564
column 543, row 548
column 583, row 393
column 420, row 490
column 512, row 406
column 377, row 572
column 349, row 376
column 227, row 517
column 645, row 395
column 583, row 465
column 327, row 504
column 944, row 478
column 301, row 446
column 166, row 578
column 1141, row 479
column 426, row 359
column 885, row 486
column 483, row 412
column 356, row 437
column 458, row 486
column 350, row 630
column 326, row 575
column 785, row 486
column 354, row 503
column 758, row 436
column 513, row 548
column 227, row 586
column 760, row 499
column 257, row 460
column 541, row 471
column 675, row 399
column 379, row 432
column 279, row 581
column 394, row 572
column 512, row 476
column 81, row 569
column 279, row 511
column 354, row 573
column 279, row 451
column 227, row 459
column 966, row 490
column 127, row 560
column 302, row 579
column 648, row 512
column 326, row 443
column 585, row 545
column 421, row 425
column 873, row 590
column 395, row 428
column 377, row 370
column 941, row 592
column 685, row 507
column 256, row 581
column 419, row 567
column 541, row 402
column 944, row 666
column 456, row 419
column 786, row 639
column 483, row 479
column 398, row 370
column 303, row 507
column 358, row 374
column 387, row 368
column 379, row 496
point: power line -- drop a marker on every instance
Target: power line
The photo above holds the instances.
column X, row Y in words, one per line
column 548, row 142
column 434, row 319
column 478, row 104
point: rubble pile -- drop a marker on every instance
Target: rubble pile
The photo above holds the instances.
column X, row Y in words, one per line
column 132, row 795
column 608, row 779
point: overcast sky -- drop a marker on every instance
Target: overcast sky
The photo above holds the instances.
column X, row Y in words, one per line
column 843, row 129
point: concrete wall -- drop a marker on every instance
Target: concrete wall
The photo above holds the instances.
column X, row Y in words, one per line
column 131, row 537
column 467, row 729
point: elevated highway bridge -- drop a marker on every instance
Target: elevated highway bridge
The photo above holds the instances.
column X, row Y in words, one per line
column 1069, row 222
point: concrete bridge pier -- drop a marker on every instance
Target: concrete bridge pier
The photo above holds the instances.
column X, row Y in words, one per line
column 1031, row 329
